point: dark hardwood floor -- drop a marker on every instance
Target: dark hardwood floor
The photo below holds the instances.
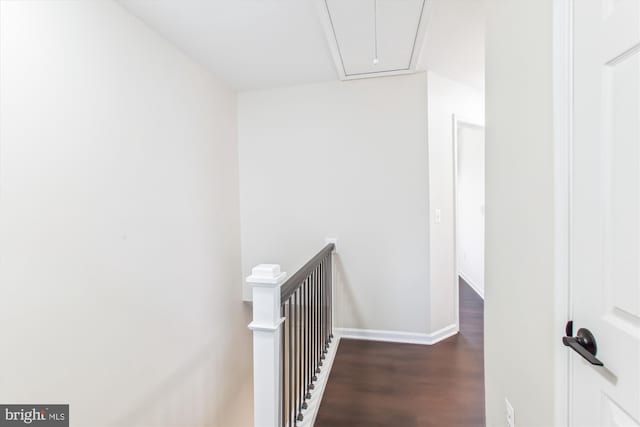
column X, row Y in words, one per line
column 405, row 385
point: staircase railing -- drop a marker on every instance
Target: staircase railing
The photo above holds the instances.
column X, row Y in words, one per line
column 293, row 340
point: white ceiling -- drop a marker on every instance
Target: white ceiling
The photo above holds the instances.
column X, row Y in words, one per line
column 256, row 44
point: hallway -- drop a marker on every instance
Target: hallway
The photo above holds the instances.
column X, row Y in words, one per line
column 389, row 384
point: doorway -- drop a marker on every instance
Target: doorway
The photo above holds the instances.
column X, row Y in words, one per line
column 469, row 196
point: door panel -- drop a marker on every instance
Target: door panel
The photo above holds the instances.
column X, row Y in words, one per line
column 614, row 416
column 620, row 158
column 605, row 219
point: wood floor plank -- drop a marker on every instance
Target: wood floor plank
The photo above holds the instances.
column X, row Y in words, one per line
column 378, row 384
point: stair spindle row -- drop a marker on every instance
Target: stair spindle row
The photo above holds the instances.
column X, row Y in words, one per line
column 306, row 335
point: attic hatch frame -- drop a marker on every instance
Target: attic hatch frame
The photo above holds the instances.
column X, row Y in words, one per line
column 334, row 47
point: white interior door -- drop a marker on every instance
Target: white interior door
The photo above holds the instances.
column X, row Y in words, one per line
column 605, row 218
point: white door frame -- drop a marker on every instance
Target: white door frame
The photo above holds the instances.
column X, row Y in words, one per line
column 456, row 122
column 562, row 141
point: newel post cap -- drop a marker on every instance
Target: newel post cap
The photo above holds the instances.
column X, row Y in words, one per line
column 266, row 275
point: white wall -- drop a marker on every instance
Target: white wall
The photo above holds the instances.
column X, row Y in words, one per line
column 119, row 223
column 519, row 279
column 470, row 205
column 345, row 160
column 446, row 98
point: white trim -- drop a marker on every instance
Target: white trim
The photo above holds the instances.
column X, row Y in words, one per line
column 266, row 327
column 563, row 135
column 325, row 21
column 472, row 284
column 456, row 264
column 327, row 26
column 313, row 404
column 398, row 336
column 261, row 282
column 378, row 74
column 421, row 35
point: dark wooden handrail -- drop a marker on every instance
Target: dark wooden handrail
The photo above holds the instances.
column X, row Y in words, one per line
column 296, row 280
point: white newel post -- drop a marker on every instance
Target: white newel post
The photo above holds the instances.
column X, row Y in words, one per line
column 265, row 281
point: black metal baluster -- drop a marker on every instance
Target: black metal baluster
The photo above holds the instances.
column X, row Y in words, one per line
column 299, row 359
column 290, row 401
column 319, row 320
column 304, row 341
column 305, row 378
column 322, row 321
column 315, row 326
column 296, row 356
column 282, row 368
column 312, row 330
column 312, row 335
column 321, row 313
column 326, row 304
column 322, row 310
column 330, row 279
column 308, row 356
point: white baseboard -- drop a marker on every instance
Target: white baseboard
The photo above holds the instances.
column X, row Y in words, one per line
column 397, row 336
column 472, row 284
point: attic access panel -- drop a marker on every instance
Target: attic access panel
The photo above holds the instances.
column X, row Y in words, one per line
column 359, row 31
